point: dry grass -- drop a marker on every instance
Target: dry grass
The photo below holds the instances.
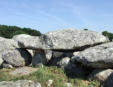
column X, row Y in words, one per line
column 42, row 75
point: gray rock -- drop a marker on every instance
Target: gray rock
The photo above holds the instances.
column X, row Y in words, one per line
column 31, row 52
column 68, row 85
column 49, row 83
column 17, row 57
column 1, row 60
column 67, row 39
column 5, row 65
column 58, row 56
column 48, row 54
column 64, row 62
column 9, row 43
column 104, row 76
column 39, row 58
column 20, row 83
column 35, row 43
column 71, row 69
column 101, row 75
column 31, row 42
column 109, row 81
column 74, row 71
column 6, row 45
column 100, row 56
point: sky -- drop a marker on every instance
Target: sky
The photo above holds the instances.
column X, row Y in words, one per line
column 51, row 15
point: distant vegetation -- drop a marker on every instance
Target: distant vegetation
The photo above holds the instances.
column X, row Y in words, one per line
column 10, row 31
column 86, row 29
column 108, row 34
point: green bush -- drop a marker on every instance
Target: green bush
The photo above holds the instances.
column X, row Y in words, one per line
column 108, row 34
column 86, row 29
column 10, row 31
column 31, row 32
column 17, row 32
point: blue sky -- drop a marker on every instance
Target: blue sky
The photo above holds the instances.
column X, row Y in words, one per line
column 50, row 15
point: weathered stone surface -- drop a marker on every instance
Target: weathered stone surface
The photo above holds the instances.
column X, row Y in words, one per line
column 109, row 81
column 9, row 43
column 1, row 60
column 31, row 42
column 58, row 56
column 100, row 56
column 104, row 76
column 12, row 54
column 64, row 62
column 49, row 83
column 20, row 83
column 67, row 39
column 39, row 58
column 6, row 45
column 71, row 69
column 68, row 85
column 17, row 57
column 48, row 54
column 6, row 65
column 31, row 52
column 100, row 75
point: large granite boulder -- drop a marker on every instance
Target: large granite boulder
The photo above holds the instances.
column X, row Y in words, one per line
column 61, row 40
column 67, row 39
column 12, row 54
column 20, row 83
column 31, row 42
column 17, row 57
column 105, row 76
column 100, row 56
column 100, row 75
column 6, row 45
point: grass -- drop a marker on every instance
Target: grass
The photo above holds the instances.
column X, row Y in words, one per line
column 42, row 75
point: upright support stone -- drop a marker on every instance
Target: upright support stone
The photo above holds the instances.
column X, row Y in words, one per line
column 39, row 58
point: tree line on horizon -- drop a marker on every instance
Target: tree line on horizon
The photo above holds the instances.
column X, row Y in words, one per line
column 10, row 31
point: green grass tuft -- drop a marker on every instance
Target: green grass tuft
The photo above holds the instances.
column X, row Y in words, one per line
column 42, row 75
